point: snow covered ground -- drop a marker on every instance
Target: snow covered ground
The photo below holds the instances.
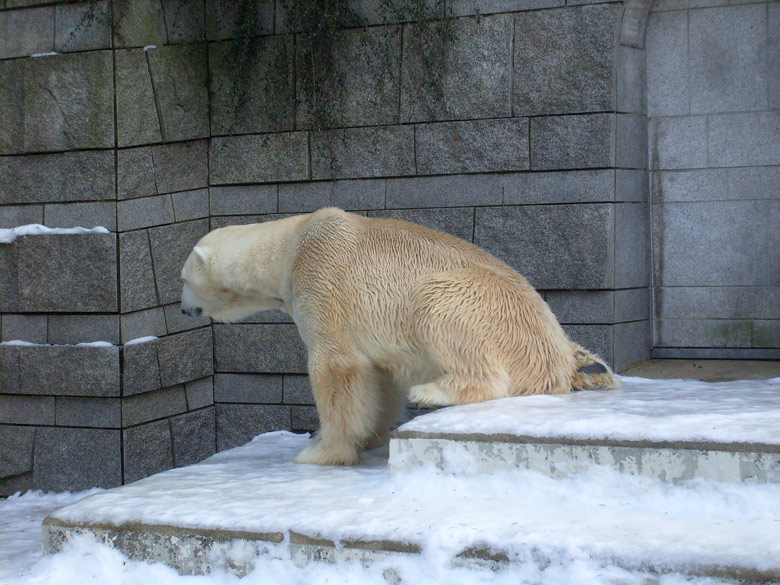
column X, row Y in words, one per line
column 580, row 529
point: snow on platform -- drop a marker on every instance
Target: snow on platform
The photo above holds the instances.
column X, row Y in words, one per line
column 666, row 429
column 254, row 502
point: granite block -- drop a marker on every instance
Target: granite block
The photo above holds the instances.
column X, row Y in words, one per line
column 703, row 333
column 155, row 170
column 10, row 375
column 185, row 356
column 26, row 32
column 588, row 186
column 259, row 158
column 189, row 205
column 746, row 139
column 243, row 199
column 69, row 370
column 631, row 185
column 581, row 306
column 765, row 333
column 472, row 146
column 67, row 176
column 226, row 20
column 147, row 450
column 719, row 302
column 445, row 191
column 362, row 152
column 349, row 195
column 572, row 142
column 177, row 322
column 631, row 74
column 194, row 437
column 238, row 424
column 262, row 97
column 30, row 328
column 82, row 27
column 73, row 459
column 457, row 69
column 553, row 246
column 92, row 214
column 138, row 23
column 185, row 20
column 67, row 273
column 632, row 256
column 134, row 214
column 598, row 339
column 89, row 412
column 146, row 323
column 564, row 60
column 632, row 304
column 678, row 142
column 630, row 141
column 632, row 344
column 245, row 348
column 297, row 390
column 16, row 215
column 149, row 406
column 479, row 7
column 16, row 451
column 26, row 410
column 140, row 368
column 666, row 49
column 136, row 272
column 137, row 116
column 200, row 393
column 304, row 419
column 72, row 329
column 248, row 388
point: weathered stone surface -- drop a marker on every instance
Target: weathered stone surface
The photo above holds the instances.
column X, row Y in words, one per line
column 444, row 191
column 632, row 255
column 200, row 393
column 564, row 60
column 248, row 388
column 10, row 377
column 772, row 48
column 69, row 370
column 559, row 187
column 31, row 328
column 362, row 152
column 185, row 356
column 472, row 146
column 247, row 348
column 138, row 23
column 688, row 233
column 678, row 142
column 136, row 111
column 727, row 59
column 69, row 273
column 72, row 329
column 89, row 412
column 581, row 306
column 147, row 450
column 632, row 304
column 356, row 83
column 27, row 410
column 180, row 80
column 82, row 27
column 140, row 368
column 9, row 289
column 703, row 333
column 194, row 437
column 77, row 459
column 259, row 158
column 631, row 74
column 243, row 199
column 238, row 424
column 261, row 97
column 666, row 47
column 458, row 221
column 16, row 451
column 226, row 20
column 349, row 195
column 185, row 20
column 149, row 406
column 631, row 185
column 134, row 214
column 297, row 390
column 765, row 333
column 189, row 205
column 719, row 302
column 146, row 323
column 305, row 419
column 171, row 245
column 66, row 102
column 136, row 272
column 630, row 141
column 478, row 7
column 457, row 69
column 747, row 139
column 555, row 247
column 632, row 343
column 67, row 176
column 15, row 215
column 26, row 32
column 67, row 215
column 162, row 169
column 571, row 142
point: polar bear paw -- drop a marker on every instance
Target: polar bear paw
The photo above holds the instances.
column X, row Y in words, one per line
column 430, row 394
column 320, row 453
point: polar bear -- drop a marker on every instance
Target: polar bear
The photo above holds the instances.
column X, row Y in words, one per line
column 387, row 310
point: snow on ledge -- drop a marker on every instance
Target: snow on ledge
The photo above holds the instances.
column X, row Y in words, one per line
column 22, row 343
column 9, row 235
column 49, row 54
column 141, row 340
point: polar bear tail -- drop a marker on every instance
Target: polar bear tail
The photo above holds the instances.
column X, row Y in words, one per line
column 592, row 373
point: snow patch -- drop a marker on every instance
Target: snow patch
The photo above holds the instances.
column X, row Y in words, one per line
column 141, row 340
column 82, row 344
column 9, row 235
column 150, row 47
column 49, row 54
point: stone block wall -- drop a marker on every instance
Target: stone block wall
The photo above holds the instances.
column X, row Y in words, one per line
column 713, row 100
column 518, row 126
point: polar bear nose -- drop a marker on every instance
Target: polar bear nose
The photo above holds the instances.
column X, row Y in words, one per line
column 196, row 312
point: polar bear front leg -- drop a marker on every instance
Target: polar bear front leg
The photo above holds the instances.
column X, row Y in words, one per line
column 346, row 392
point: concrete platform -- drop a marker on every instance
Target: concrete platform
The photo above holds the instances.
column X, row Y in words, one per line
column 254, row 502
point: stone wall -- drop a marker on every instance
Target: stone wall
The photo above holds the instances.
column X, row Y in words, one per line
column 525, row 135
column 714, row 106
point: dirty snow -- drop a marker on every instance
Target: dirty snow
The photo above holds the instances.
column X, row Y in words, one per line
column 9, row 235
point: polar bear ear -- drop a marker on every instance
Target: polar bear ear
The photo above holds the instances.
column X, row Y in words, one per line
column 202, row 255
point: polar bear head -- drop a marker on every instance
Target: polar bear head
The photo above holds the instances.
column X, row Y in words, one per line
column 234, row 272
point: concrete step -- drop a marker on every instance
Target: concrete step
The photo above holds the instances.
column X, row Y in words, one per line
column 254, row 503
column 664, row 429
